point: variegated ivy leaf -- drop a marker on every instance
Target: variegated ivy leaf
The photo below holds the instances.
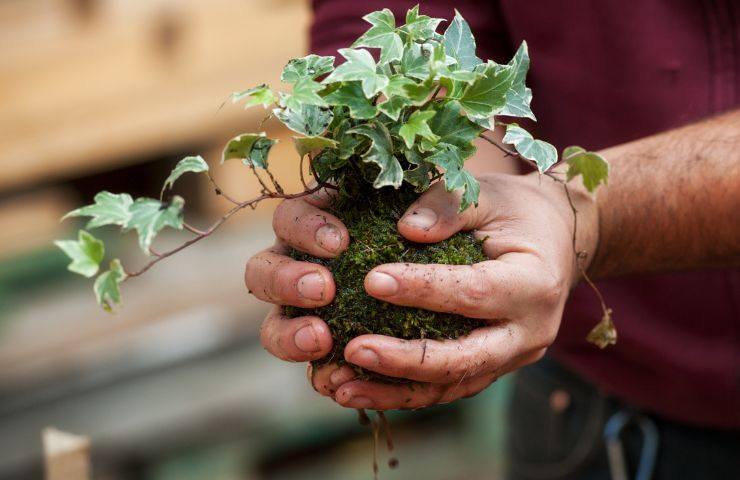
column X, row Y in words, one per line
column 86, row 253
column 350, row 95
column 250, row 148
column 348, row 143
column 360, row 66
column 415, row 125
column 487, row 94
column 380, row 152
column 592, row 167
column 305, row 92
column 194, row 164
column 310, row 66
column 540, row 152
column 519, row 96
column 107, row 286
column 149, row 216
column 309, row 120
column 108, row 209
column 455, row 177
column 453, row 128
column 259, row 95
column 420, row 28
column 416, row 60
column 382, row 35
column 306, row 145
column 460, row 44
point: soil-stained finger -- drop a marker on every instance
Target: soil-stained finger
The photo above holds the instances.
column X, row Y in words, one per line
column 297, row 339
column 326, row 379
column 310, row 229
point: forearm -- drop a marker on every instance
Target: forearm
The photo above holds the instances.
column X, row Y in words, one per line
column 673, row 201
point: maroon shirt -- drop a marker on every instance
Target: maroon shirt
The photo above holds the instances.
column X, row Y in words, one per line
column 604, row 73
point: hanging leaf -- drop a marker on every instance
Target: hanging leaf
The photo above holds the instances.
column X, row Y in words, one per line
column 306, row 145
column 449, row 158
column 592, row 167
column 259, row 95
column 250, row 148
column 309, row 120
column 194, row 164
column 86, row 253
column 360, row 66
column 310, row 66
column 149, row 216
column 107, row 286
column 541, row 153
column 108, row 209
column 519, row 96
column 380, row 153
column 305, row 92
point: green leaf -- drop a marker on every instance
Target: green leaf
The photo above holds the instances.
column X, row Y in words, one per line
column 417, row 125
column 488, row 93
column 451, row 159
column 348, row 143
column 310, row 66
column 259, row 95
column 519, row 96
column 541, row 153
column 149, row 216
column 359, row 66
column 593, row 168
column 350, row 95
column 194, row 164
column 380, row 152
column 306, row 145
column 108, row 209
column 86, row 253
column 382, row 35
column 107, row 286
column 250, row 148
column 305, row 92
column 309, row 120
column 453, row 128
column 419, row 28
column 416, row 60
column 460, row 44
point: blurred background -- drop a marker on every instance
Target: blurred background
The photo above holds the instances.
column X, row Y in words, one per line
column 109, row 94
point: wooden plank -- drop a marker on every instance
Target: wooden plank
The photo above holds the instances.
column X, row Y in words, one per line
column 138, row 77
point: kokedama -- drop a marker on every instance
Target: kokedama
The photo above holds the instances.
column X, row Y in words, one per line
column 376, row 131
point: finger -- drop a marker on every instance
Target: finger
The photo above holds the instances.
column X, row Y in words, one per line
column 326, row 379
column 309, row 229
column 387, row 396
column 484, row 290
column 435, row 216
column 484, row 351
column 277, row 278
column 295, row 339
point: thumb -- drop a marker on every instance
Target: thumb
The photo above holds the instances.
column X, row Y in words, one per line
column 435, row 217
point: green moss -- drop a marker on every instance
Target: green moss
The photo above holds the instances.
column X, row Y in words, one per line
column 371, row 216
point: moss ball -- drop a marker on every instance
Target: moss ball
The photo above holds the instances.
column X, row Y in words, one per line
column 374, row 240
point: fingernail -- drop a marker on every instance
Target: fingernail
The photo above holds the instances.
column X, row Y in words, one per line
column 306, row 340
column 365, row 357
column 311, row 286
column 340, row 376
column 360, row 402
column 329, row 238
column 423, row 218
column 381, row 284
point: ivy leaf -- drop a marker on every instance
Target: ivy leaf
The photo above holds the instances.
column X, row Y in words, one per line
column 348, row 143
column 305, row 92
column 250, row 148
column 420, row 28
column 417, row 125
column 416, row 60
column 604, row 333
column 309, row 120
column 194, row 164
column 450, row 158
column 350, row 95
column 107, row 286
column 488, row 93
column 592, row 167
column 310, row 66
column 541, row 153
column 460, row 44
column 86, row 253
column 259, row 95
column 453, row 128
column 149, row 216
column 305, row 145
column 519, row 96
column 380, row 152
column 382, row 35
column 359, row 66
column 108, row 209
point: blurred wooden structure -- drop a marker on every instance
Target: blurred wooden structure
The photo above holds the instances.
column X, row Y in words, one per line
column 66, row 456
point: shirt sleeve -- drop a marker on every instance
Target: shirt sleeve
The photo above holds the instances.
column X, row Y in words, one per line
column 338, row 23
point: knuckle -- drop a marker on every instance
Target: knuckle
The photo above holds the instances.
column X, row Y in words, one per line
column 552, row 290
